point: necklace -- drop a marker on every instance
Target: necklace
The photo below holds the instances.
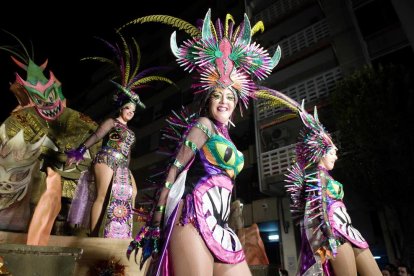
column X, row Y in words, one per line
column 222, row 128
column 324, row 170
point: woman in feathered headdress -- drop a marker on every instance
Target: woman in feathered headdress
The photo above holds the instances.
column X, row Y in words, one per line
column 329, row 241
column 193, row 208
column 111, row 163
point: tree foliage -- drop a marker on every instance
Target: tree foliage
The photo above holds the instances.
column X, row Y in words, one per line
column 374, row 113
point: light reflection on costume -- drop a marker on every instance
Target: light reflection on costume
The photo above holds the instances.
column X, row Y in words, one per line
column 317, row 202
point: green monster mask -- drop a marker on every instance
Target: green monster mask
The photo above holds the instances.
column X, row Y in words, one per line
column 45, row 94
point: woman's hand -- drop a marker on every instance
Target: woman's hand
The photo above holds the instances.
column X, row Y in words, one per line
column 70, row 161
column 75, row 155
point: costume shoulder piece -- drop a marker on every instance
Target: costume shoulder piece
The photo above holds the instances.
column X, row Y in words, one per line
column 177, row 128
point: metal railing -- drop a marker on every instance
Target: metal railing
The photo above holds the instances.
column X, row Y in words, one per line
column 311, row 89
column 302, row 39
column 277, row 10
column 277, row 161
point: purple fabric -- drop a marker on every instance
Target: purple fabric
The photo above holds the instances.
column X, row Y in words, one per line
column 85, row 194
column 327, row 269
column 188, row 213
column 162, row 265
column 306, row 255
column 77, row 154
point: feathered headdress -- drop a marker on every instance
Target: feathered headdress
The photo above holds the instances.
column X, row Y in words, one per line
column 314, row 142
column 128, row 80
column 224, row 56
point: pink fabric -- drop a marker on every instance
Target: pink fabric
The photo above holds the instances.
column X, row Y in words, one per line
column 220, row 253
column 339, row 228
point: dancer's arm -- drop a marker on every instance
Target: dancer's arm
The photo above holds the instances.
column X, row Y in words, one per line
column 196, row 138
column 76, row 155
column 326, row 226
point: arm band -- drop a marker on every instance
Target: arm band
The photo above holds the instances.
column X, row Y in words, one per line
column 178, row 164
column 191, row 145
column 160, row 208
column 168, row 185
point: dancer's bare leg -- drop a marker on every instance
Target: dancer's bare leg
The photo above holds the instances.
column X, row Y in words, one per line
column 190, row 255
column 134, row 190
column 241, row 269
column 103, row 177
column 365, row 262
column 46, row 210
column 344, row 264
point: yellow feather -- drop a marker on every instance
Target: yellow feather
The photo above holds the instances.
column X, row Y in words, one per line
column 127, row 56
column 213, row 30
column 138, row 57
column 101, row 59
column 235, row 34
column 273, row 101
column 226, row 24
column 152, row 78
column 166, row 19
column 259, row 26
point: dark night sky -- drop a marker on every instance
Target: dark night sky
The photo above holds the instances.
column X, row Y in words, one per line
column 66, row 35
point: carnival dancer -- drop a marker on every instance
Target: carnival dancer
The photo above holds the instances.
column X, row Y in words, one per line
column 331, row 245
column 190, row 219
column 113, row 219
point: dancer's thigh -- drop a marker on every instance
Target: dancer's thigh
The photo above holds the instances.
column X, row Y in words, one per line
column 240, row 269
column 189, row 253
column 344, row 263
column 103, row 177
column 365, row 262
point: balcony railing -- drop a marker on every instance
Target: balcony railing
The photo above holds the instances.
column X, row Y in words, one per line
column 302, row 39
column 277, row 161
column 277, row 10
column 311, row 89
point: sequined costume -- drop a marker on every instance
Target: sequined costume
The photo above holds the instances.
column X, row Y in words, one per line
column 115, row 152
column 128, row 80
column 317, row 202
